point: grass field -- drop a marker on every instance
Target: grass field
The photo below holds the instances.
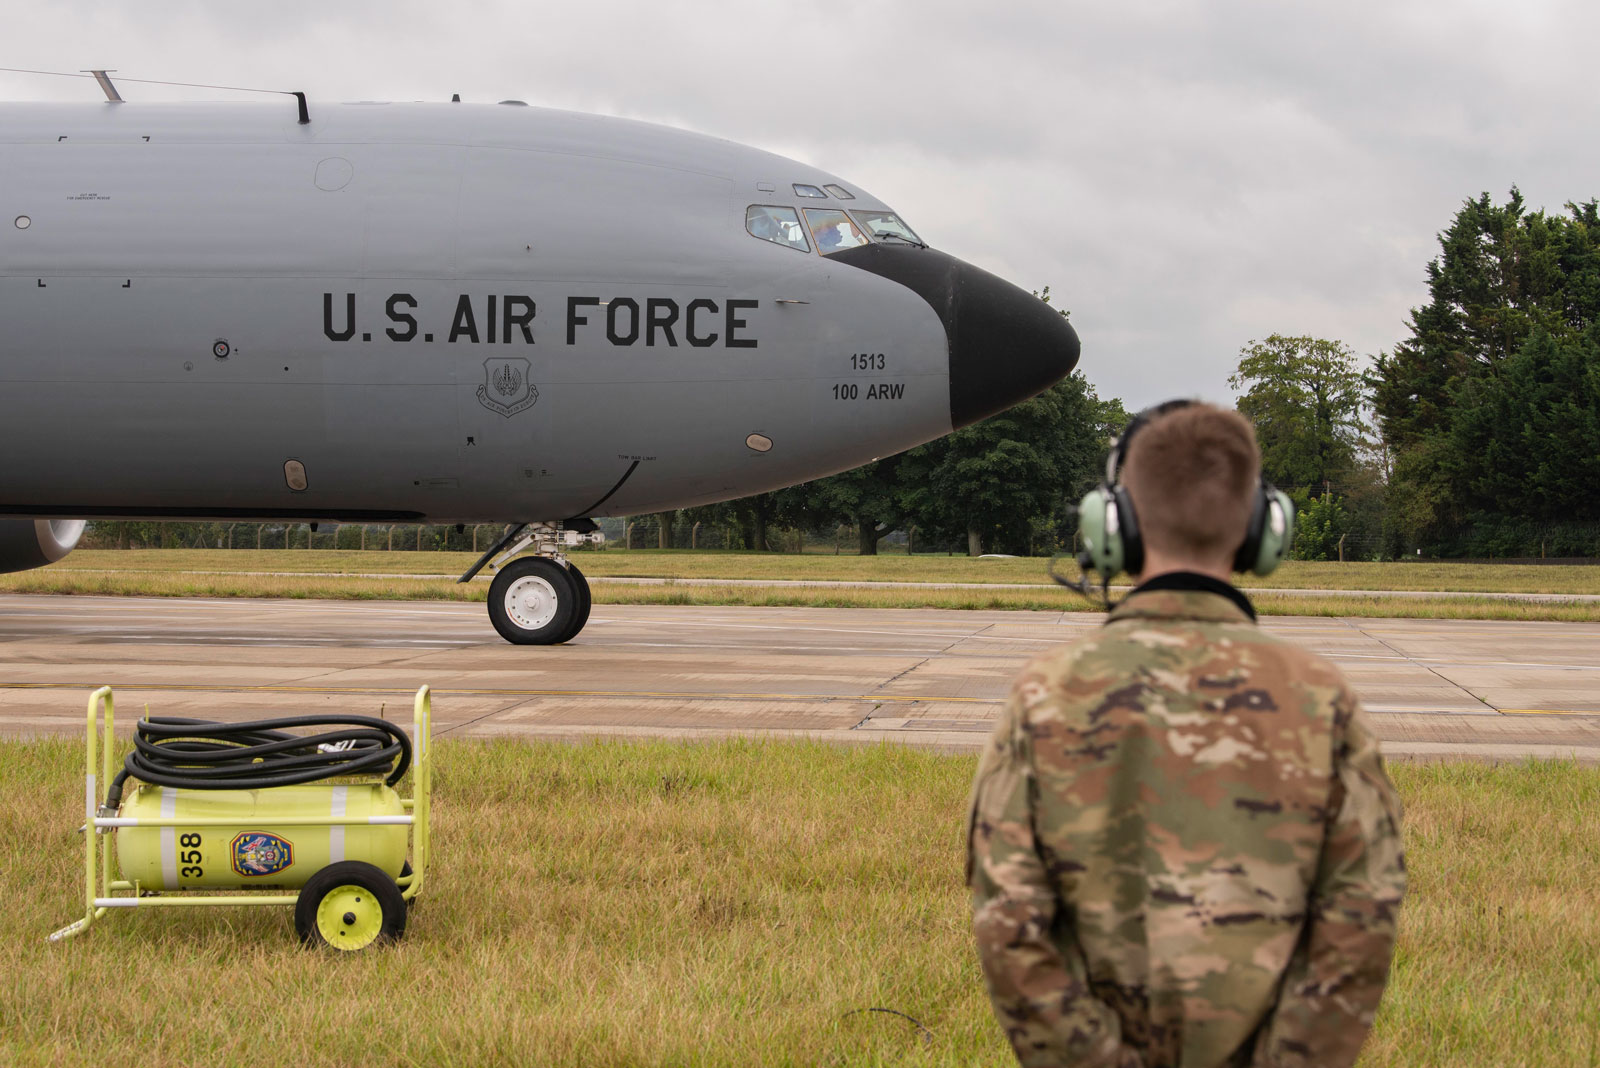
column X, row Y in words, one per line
column 735, row 903
column 683, row 564
column 367, row 576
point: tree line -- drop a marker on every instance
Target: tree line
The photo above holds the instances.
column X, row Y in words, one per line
column 397, row 537
column 1490, row 410
column 1477, row 435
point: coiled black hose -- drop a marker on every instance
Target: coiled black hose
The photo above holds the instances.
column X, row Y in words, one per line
column 198, row 754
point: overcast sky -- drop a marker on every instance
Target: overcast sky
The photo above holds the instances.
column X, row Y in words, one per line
column 1184, row 176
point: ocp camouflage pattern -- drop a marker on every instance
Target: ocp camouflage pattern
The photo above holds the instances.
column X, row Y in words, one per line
column 1183, row 849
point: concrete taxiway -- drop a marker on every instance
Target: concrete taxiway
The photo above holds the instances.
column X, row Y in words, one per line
column 1435, row 688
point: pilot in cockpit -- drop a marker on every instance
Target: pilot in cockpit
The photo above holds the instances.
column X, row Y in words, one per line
column 762, row 224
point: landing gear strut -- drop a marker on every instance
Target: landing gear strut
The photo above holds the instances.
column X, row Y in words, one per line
column 541, row 599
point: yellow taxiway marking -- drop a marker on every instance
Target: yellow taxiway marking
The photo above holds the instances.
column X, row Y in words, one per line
column 269, row 688
column 180, row 687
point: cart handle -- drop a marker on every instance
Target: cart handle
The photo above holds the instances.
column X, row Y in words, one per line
column 422, row 787
column 91, row 801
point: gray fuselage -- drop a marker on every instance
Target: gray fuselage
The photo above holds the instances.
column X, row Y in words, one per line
column 454, row 313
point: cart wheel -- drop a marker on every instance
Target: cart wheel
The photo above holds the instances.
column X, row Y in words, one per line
column 349, row 905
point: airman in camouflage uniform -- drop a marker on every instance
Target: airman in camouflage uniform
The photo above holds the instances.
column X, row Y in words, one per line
column 1183, row 849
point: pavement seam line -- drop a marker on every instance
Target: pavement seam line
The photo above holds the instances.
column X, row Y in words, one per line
column 384, row 662
column 1437, row 674
column 925, row 660
column 479, row 719
column 873, row 711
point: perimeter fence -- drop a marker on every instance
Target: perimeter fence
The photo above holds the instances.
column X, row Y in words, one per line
column 1503, row 541
column 640, row 532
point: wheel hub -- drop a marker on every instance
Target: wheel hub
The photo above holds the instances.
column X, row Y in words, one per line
column 531, row 602
column 349, row 917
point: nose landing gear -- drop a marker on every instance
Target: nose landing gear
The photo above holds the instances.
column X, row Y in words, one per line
column 541, row 599
column 537, row 601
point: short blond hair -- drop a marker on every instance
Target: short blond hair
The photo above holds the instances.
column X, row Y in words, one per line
column 1192, row 473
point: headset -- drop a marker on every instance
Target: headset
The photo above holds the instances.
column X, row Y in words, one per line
column 1109, row 527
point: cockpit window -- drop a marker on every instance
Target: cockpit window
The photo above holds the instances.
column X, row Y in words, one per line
column 833, row 230
column 809, row 191
column 886, row 225
column 840, row 191
column 781, row 226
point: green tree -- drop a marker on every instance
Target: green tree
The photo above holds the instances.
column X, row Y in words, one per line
column 867, row 497
column 989, row 481
column 1526, row 442
column 1304, row 395
column 718, row 524
column 1319, row 524
column 1004, row 482
column 1505, row 278
column 753, row 514
column 121, row 534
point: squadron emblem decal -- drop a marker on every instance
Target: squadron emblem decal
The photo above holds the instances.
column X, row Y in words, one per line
column 261, row 853
column 506, row 388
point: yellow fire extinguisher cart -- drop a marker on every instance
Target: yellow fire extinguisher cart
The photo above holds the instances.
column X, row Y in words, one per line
column 341, row 847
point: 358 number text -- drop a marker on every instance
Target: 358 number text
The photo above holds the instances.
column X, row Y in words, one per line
column 190, row 857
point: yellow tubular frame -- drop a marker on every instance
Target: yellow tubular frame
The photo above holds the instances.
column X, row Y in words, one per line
column 95, row 826
column 421, row 789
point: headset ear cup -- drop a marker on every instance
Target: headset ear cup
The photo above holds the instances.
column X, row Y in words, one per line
column 1128, row 532
column 1100, row 534
column 1277, row 533
column 1250, row 549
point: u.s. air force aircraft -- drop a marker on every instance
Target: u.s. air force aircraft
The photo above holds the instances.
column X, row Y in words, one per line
column 448, row 313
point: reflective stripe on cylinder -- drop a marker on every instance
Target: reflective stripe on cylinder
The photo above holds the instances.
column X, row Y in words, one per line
column 251, row 853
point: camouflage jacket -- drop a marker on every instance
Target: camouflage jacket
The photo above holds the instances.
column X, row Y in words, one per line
column 1183, row 848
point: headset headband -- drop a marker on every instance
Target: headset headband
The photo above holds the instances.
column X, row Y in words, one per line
column 1119, row 451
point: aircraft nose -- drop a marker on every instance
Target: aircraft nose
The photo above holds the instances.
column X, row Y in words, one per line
column 1006, row 344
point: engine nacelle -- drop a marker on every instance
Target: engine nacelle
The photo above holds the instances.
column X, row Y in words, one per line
column 30, row 543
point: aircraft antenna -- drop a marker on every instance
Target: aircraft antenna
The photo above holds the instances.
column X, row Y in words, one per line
column 100, row 76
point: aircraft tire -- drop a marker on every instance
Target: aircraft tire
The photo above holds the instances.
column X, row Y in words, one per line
column 581, row 614
column 533, row 601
